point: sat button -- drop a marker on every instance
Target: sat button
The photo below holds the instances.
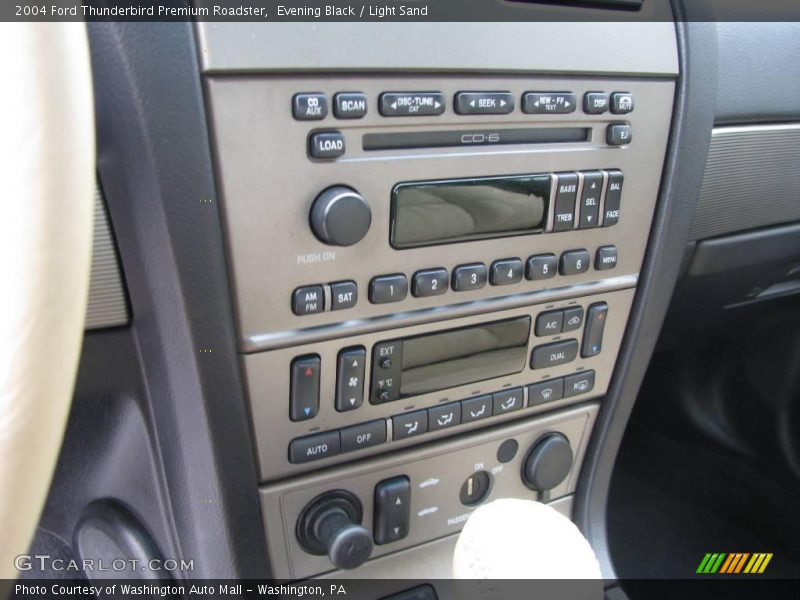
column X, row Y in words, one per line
column 344, row 294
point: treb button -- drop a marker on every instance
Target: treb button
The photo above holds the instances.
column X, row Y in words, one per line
column 484, row 103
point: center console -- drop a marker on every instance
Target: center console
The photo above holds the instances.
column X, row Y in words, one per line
column 432, row 275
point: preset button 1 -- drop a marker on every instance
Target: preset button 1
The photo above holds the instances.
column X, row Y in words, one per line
column 388, row 288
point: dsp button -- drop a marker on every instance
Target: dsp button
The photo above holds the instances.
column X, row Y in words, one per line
column 539, row 103
column 349, row 105
column 484, row 103
column 595, row 103
column 411, row 104
column 363, row 435
column 309, row 106
column 326, row 144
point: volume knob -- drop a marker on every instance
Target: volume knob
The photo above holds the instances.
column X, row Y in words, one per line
column 340, row 216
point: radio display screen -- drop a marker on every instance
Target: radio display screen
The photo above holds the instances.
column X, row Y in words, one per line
column 456, row 357
column 442, row 212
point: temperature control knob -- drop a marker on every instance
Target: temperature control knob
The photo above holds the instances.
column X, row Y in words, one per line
column 331, row 524
column 340, row 216
column 548, row 462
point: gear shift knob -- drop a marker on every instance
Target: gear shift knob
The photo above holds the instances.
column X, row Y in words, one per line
column 522, row 539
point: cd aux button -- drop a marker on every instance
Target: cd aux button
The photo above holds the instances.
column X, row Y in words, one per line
column 309, row 106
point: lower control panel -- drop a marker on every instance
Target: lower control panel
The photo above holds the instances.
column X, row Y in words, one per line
column 345, row 516
column 333, row 401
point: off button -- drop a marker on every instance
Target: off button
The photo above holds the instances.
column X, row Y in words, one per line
column 364, row 435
